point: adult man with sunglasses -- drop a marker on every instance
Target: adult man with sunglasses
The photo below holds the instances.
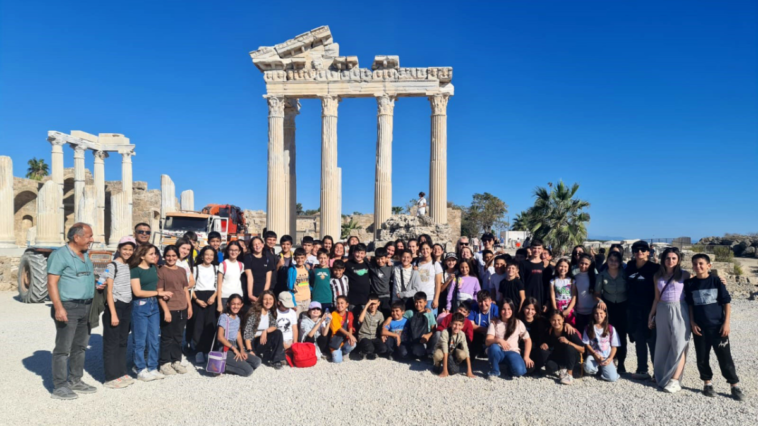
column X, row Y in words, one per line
column 462, row 242
column 142, row 233
column 641, row 293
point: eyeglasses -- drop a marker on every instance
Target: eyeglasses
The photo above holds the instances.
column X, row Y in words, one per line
column 143, row 232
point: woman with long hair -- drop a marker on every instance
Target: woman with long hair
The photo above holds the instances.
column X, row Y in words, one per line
column 260, row 268
column 204, row 300
column 670, row 318
column 503, row 337
column 327, row 243
column 611, row 287
column 438, row 252
column 230, row 273
column 261, row 335
column 430, row 276
column 337, row 253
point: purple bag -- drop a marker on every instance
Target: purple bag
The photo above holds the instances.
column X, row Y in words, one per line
column 217, row 359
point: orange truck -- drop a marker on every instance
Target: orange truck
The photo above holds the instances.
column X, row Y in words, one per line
column 235, row 226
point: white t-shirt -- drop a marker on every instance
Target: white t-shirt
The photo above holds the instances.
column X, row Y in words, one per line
column 206, row 278
column 184, row 265
column 311, row 260
column 602, row 344
column 285, row 321
column 421, row 203
column 232, row 283
column 427, row 273
column 262, row 325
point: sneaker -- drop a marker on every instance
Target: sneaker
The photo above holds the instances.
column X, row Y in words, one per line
column 641, row 376
column 371, row 357
column 145, row 376
column 672, row 386
column 64, row 393
column 737, row 393
column 81, row 387
column 391, row 357
column 562, row 373
column 167, row 370
column 284, row 363
column 493, row 374
column 179, row 368
column 199, row 358
column 360, row 356
column 277, row 366
column 127, row 378
column 567, row 379
column 116, row 384
column 157, row 374
column 708, row 391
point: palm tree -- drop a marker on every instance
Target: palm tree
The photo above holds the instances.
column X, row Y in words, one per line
column 557, row 218
column 347, row 227
column 37, row 169
column 523, row 220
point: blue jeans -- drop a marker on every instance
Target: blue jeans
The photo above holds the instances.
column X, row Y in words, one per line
column 146, row 328
column 607, row 372
column 512, row 360
column 337, row 354
column 429, row 306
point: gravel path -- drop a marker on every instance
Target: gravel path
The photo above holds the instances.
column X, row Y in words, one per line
column 369, row 392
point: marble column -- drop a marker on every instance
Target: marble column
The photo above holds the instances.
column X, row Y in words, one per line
column 78, row 179
column 87, row 209
column 188, row 200
column 168, row 196
column 120, row 218
column 126, row 186
column 339, row 203
column 48, row 215
column 99, row 178
column 438, row 163
column 330, row 219
column 383, row 183
column 275, row 198
column 291, row 110
column 57, row 177
column 7, row 237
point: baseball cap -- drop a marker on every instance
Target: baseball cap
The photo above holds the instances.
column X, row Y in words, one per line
column 451, row 255
column 641, row 245
column 127, row 240
column 314, row 305
column 286, row 298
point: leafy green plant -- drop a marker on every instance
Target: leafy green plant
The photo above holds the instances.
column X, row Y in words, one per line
column 737, row 269
column 698, row 249
column 347, row 227
column 723, row 253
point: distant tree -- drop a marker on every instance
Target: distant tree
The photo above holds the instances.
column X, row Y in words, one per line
column 485, row 213
column 523, row 220
column 357, row 213
column 557, row 217
column 37, row 169
column 312, row 212
column 349, row 226
column 300, row 210
column 397, row 210
column 410, row 205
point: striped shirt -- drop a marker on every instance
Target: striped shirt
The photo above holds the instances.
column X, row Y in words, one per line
column 122, row 286
column 340, row 287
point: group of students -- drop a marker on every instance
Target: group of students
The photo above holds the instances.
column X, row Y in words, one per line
column 411, row 300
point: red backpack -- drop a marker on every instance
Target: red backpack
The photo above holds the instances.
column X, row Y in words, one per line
column 302, row 355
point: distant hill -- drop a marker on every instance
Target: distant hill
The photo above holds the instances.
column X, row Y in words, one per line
column 604, row 238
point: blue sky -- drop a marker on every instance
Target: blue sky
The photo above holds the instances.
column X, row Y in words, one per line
column 651, row 106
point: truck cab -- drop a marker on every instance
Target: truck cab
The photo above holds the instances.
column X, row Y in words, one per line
column 177, row 224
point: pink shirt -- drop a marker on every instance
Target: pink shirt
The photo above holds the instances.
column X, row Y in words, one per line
column 497, row 329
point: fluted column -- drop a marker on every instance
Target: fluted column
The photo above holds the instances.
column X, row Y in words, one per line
column 126, row 186
column 87, row 208
column 7, row 238
column 120, row 218
column 99, row 178
column 330, row 219
column 291, row 110
column 168, row 196
column 339, row 204
column 57, row 177
column 48, row 225
column 78, row 180
column 188, row 200
column 383, row 183
column 438, row 163
column 275, row 198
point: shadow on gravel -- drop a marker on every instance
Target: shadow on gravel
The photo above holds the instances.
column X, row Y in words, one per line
column 41, row 364
column 93, row 361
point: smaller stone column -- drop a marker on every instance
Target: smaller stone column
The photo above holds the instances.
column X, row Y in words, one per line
column 331, row 222
column 48, row 219
column 78, row 179
column 127, row 183
column 291, row 110
column 339, row 203
column 87, row 208
column 188, row 200
column 7, row 226
column 99, row 178
column 383, row 183
column 168, row 196
column 56, row 173
column 120, row 219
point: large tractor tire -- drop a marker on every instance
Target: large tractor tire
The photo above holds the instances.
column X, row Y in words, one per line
column 32, row 277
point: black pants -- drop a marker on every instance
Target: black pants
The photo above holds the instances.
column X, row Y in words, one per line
column 711, row 338
column 642, row 336
column 539, row 356
column 565, row 356
column 372, row 346
column 617, row 318
column 385, row 306
column 321, row 341
column 477, row 345
column 115, row 340
column 273, row 350
column 204, row 322
column 171, row 337
column 582, row 321
column 398, row 351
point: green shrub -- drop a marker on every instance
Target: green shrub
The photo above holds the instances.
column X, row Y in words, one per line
column 737, row 269
column 698, row 249
column 723, row 253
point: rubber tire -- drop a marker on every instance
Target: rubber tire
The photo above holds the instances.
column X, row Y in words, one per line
column 36, row 264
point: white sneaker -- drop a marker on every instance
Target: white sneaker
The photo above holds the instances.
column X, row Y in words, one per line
column 672, row 386
column 127, row 379
column 167, row 370
column 199, row 358
column 562, row 373
column 145, row 376
column 178, row 367
column 567, row 379
column 157, row 375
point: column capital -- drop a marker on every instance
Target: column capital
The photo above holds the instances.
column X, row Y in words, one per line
column 329, row 105
column 275, row 106
column 55, row 140
column 439, row 103
column 100, row 155
column 126, row 155
column 291, row 107
column 78, row 150
column 385, row 104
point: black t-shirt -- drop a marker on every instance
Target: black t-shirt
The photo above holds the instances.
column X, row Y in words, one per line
column 641, row 285
column 510, row 290
column 552, row 340
column 259, row 267
column 707, row 296
column 359, row 281
column 599, row 259
column 532, row 277
column 537, row 330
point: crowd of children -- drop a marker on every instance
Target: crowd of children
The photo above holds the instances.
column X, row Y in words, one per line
column 411, row 301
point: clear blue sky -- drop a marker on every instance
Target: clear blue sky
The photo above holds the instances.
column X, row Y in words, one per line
column 651, row 106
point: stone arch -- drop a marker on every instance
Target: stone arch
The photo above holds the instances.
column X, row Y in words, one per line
column 24, row 214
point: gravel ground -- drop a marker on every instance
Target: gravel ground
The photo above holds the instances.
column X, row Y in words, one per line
column 369, row 392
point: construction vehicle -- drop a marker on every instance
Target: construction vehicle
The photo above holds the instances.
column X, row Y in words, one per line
column 177, row 224
column 236, row 226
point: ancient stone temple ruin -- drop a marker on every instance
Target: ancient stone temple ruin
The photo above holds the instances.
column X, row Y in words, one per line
column 310, row 66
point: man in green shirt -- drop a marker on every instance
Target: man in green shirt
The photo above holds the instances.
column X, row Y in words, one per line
column 71, row 285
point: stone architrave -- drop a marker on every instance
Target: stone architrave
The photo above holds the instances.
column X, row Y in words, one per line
column 121, row 225
column 99, row 178
column 87, row 210
column 7, row 237
column 275, row 200
column 188, row 200
column 168, row 196
column 127, row 183
column 291, row 110
column 330, row 219
column 78, row 178
column 48, row 215
column 383, row 183
column 56, row 174
column 438, row 164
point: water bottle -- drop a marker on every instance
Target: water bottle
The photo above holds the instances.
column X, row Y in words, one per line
column 101, row 278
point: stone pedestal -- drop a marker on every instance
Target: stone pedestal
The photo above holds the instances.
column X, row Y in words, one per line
column 48, row 215
column 56, row 173
column 7, row 237
column 291, row 110
column 121, row 221
column 330, row 210
column 275, row 199
column 188, row 200
column 168, row 196
column 383, row 183
column 438, row 164
column 126, row 185
column 78, row 179
column 87, row 209
column 99, row 178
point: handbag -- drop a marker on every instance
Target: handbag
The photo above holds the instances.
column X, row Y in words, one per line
column 217, row 359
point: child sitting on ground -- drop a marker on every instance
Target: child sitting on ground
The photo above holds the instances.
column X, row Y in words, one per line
column 341, row 331
column 601, row 342
column 481, row 316
column 370, row 344
column 314, row 327
column 561, row 349
column 286, row 319
column 238, row 360
column 393, row 331
column 451, row 349
column 464, row 308
column 420, row 328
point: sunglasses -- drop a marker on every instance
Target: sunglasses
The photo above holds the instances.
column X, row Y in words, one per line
column 143, row 232
column 464, row 244
column 635, row 250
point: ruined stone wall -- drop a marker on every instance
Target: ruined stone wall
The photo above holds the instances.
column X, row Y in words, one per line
column 24, row 207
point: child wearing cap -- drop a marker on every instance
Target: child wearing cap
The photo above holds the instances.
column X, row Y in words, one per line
column 314, row 327
column 286, row 319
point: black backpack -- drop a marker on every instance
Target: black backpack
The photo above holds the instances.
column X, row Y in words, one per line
column 418, row 325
